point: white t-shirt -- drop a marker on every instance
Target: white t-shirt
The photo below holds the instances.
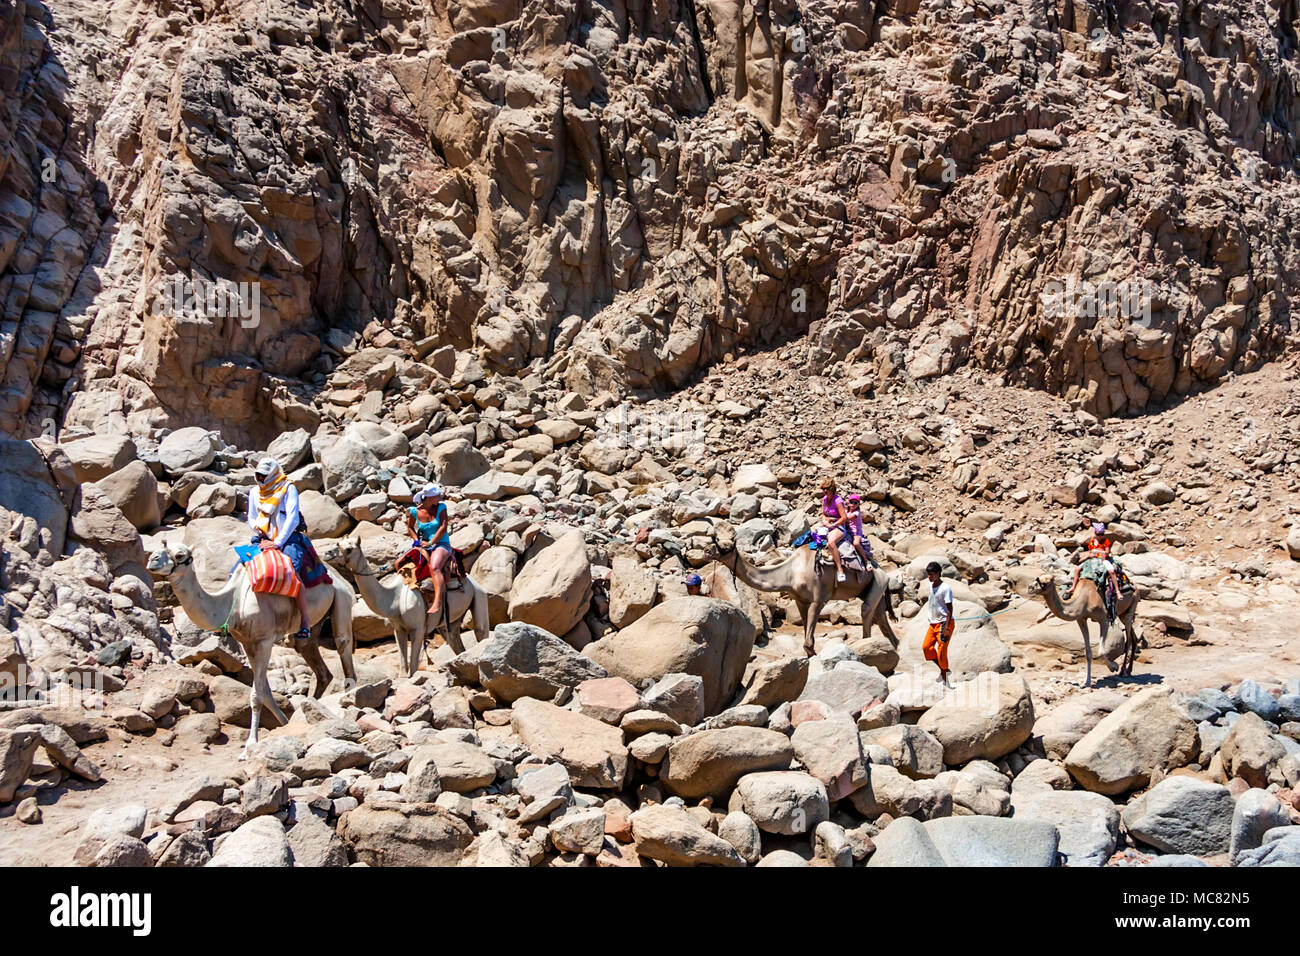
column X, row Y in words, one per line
column 940, row 598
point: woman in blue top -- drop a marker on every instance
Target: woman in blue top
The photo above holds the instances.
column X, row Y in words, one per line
column 430, row 525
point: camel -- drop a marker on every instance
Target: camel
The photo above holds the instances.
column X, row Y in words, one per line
column 1086, row 604
column 405, row 608
column 259, row 621
column 811, row 585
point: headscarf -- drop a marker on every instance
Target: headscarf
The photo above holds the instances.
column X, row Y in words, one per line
column 270, row 490
column 1098, row 528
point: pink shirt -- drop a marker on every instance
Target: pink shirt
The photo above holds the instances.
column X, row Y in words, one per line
column 831, row 507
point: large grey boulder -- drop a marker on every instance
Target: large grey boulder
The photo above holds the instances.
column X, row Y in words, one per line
column 1088, row 823
column 1256, row 812
column 689, row 635
column 520, row 660
column 1149, row 732
column 848, row 688
column 966, row 841
column 1182, row 814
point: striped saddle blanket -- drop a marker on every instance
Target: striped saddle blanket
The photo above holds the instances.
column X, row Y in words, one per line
column 271, row 572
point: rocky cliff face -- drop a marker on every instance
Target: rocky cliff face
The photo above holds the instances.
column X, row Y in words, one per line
column 616, row 193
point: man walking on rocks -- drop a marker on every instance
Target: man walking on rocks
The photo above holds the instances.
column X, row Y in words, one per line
column 942, row 621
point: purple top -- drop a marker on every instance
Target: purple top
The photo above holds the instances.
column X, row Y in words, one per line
column 855, row 524
column 831, row 507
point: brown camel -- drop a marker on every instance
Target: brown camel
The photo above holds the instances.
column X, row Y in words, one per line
column 811, row 585
column 1086, row 604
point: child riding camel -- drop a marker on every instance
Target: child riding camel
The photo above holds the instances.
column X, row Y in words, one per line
column 1098, row 549
column 277, row 524
column 429, row 523
column 835, row 518
column 854, row 527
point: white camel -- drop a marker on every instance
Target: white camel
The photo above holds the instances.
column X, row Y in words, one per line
column 260, row 621
column 405, row 609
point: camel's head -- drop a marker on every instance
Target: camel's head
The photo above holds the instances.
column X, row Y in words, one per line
column 164, row 562
column 1040, row 584
column 349, row 552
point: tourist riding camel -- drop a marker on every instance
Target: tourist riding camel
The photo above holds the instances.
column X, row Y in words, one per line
column 278, row 524
column 430, row 525
column 836, row 519
column 1098, row 549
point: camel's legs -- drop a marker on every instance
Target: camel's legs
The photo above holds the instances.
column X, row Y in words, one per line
column 260, row 694
column 1106, row 652
column 810, row 613
column 1130, row 644
column 1087, row 652
column 342, row 621
column 311, row 654
column 403, row 640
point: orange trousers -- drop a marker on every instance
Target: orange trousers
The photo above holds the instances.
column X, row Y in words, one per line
column 935, row 647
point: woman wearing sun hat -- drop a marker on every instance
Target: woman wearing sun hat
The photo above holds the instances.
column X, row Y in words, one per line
column 430, row 525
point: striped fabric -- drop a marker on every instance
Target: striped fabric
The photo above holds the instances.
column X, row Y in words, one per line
column 272, row 573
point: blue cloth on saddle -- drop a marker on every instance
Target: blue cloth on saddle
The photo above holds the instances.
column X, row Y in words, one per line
column 307, row 565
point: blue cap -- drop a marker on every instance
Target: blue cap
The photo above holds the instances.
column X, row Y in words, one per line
column 693, row 579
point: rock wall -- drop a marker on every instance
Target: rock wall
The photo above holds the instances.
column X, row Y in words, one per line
column 617, row 193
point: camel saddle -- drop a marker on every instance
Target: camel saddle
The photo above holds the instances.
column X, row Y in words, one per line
column 414, row 568
column 849, row 556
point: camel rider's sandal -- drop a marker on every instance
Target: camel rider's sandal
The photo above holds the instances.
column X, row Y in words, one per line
column 840, row 577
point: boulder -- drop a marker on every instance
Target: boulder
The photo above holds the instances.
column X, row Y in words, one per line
column 290, row 449
column 17, row 748
column 1182, row 814
column 848, row 688
column 592, row 751
column 1066, row 725
column 314, row 843
column 672, row 836
column 986, row 718
column 784, row 802
column 709, row 763
column 325, row 519
column 134, row 490
column 456, row 462
column 978, row 787
column 888, row 791
column 553, row 589
column 520, row 660
column 1088, row 823
column 607, row 699
column 1256, row 813
column 97, row 456
column 679, row 696
column 28, row 488
column 770, row 683
column 494, row 572
column 831, row 751
column 461, row 767
column 966, row 841
column 708, row 638
column 632, row 590
column 1149, row 732
column 1250, row 751
column 740, row 830
column 346, row 465
column 914, row 751
column 187, row 449
column 259, row 842
column 406, row 835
